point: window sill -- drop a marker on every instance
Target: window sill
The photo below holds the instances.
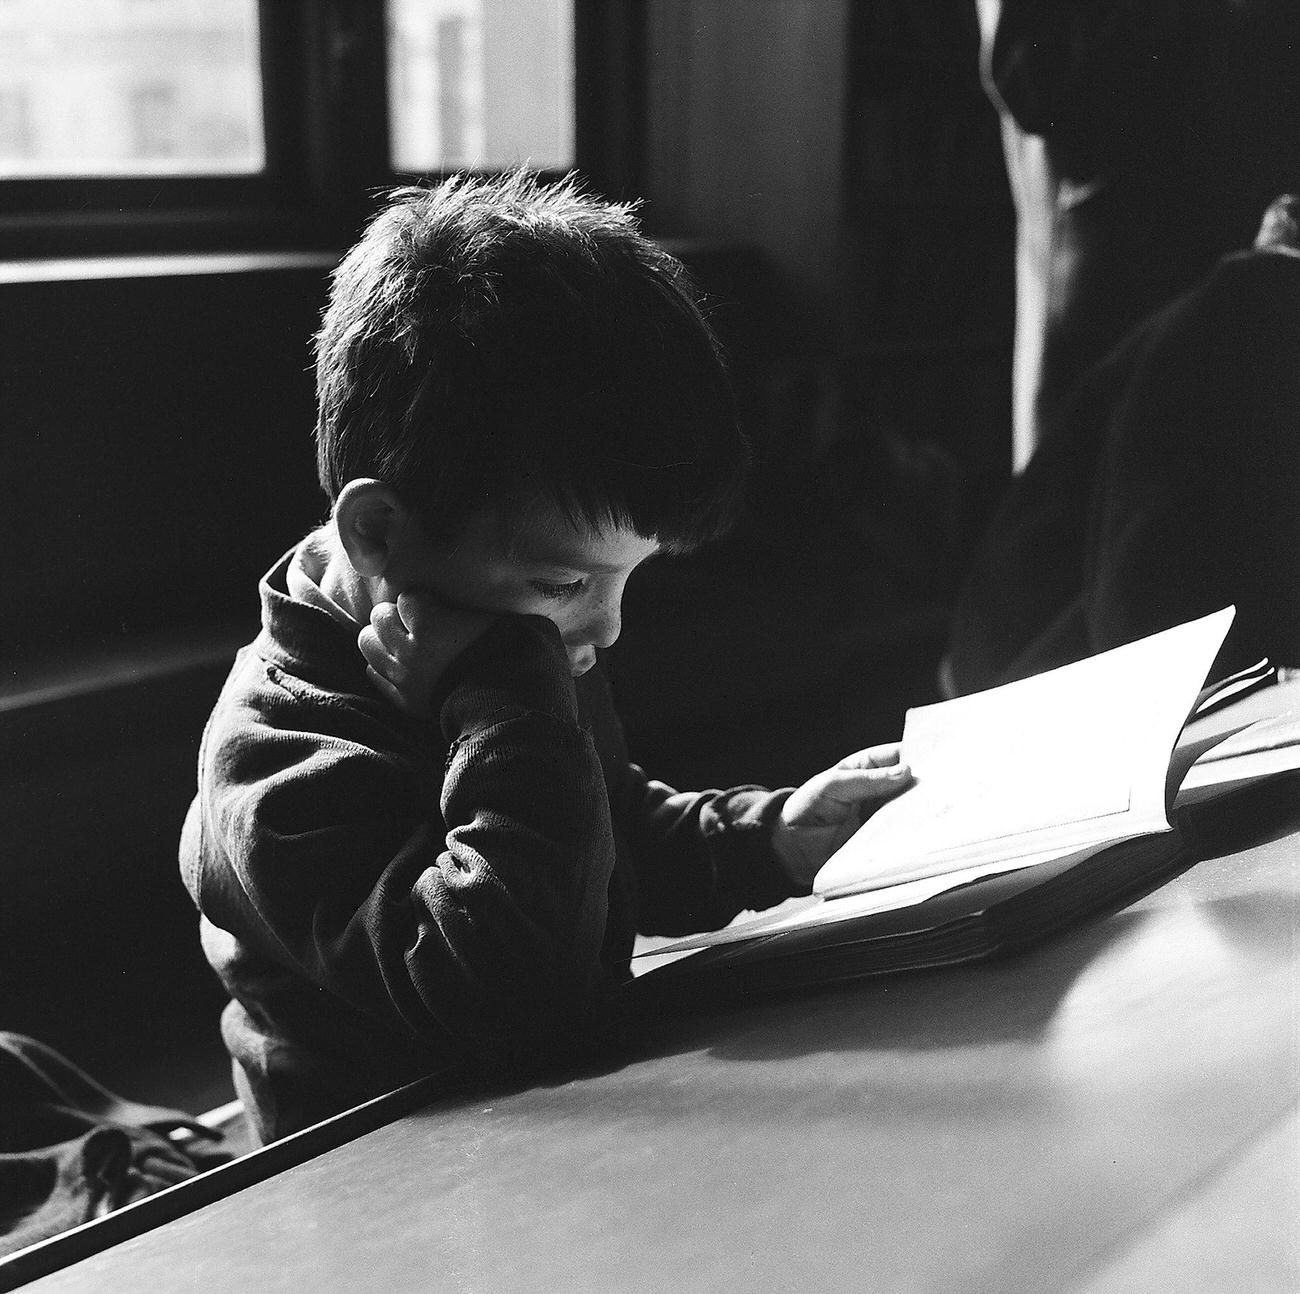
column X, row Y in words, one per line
column 160, row 265
column 140, row 265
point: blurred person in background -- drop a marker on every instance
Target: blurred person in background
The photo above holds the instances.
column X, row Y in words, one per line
column 1143, row 138
column 1167, row 486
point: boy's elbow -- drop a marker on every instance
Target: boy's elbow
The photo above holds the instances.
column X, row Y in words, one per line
column 526, row 1012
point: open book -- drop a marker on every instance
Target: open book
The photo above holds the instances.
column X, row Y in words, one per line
column 1064, row 761
column 1019, row 788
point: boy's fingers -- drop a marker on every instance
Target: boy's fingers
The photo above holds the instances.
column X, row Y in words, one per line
column 368, row 642
column 851, row 785
column 414, row 608
column 838, row 794
column 421, row 615
column 386, row 689
column 379, row 657
column 387, row 623
column 883, row 756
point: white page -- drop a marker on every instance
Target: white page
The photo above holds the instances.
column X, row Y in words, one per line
column 1232, row 750
column 1224, row 690
column 1274, row 733
column 1070, row 758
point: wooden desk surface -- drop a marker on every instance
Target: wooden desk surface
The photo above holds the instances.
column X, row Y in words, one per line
column 1117, row 1110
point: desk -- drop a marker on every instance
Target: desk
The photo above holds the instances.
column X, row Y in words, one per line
column 1116, row 1110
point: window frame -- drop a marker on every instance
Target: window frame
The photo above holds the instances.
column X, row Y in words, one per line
column 325, row 121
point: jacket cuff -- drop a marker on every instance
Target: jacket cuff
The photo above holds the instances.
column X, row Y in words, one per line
column 738, row 825
column 519, row 664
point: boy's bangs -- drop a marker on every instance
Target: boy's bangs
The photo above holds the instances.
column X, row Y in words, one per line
column 488, row 345
column 683, row 505
column 615, row 436
column 661, row 457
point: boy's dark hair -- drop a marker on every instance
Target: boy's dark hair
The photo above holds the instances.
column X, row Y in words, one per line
column 499, row 342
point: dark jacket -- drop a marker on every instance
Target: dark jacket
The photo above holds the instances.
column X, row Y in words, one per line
column 384, row 896
column 1166, row 489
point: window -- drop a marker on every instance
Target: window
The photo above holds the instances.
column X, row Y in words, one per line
column 142, row 125
column 17, row 138
column 104, row 87
column 480, row 83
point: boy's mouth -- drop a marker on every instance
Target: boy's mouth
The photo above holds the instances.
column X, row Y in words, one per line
column 580, row 663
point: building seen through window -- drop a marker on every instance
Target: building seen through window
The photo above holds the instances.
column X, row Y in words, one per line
column 130, row 87
column 480, row 83
column 119, row 88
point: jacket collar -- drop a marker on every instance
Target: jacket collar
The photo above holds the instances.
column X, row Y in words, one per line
column 305, row 640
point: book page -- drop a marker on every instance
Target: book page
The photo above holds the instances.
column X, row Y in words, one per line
column 799, row 913
column 1210, row 780
column 1073, row 757
column 1265, row 748
column 1277, row 732
column 1230, row 690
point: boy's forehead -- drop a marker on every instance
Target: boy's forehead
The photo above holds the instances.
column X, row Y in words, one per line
column 546, row 537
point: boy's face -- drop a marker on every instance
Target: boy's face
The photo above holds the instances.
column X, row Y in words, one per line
column 544, row 567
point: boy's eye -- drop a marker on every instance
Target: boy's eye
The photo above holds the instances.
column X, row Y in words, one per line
column 556, row 591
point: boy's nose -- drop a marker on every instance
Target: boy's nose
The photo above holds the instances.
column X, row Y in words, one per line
column 605, row 624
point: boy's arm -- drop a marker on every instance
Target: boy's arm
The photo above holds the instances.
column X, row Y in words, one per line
column 700, row 857
column 703, row 857
column 480, row 925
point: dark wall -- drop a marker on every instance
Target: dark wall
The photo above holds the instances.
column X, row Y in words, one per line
column 156, row 450
column 744, row 109
column 852, row 147
column 926, row 252
column 155, row 455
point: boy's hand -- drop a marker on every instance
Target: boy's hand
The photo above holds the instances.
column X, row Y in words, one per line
column 408, row 645
column 827, row 809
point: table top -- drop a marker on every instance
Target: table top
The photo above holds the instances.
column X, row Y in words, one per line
column 1116, row 1109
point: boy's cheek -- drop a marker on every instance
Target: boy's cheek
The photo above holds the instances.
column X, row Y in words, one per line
column 581, row 654
column 540, row 607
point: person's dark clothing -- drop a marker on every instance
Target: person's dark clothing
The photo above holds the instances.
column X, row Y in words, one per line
column 385, row 897
column 1168, row 487
column 1168, row 126
column 72, row 1151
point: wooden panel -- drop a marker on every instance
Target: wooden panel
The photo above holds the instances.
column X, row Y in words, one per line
column 743, row 116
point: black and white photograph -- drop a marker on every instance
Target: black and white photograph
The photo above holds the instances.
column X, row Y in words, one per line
column 650, row 645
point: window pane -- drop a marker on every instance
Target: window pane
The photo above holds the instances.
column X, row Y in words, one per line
column 129, row 87
column 480, row 83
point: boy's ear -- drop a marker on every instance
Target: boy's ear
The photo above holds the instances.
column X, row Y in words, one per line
column 372, row 524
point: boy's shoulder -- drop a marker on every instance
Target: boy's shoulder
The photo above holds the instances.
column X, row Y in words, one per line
column 289, row 724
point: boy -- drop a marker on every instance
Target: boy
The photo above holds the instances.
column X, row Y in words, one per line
column 417, row 840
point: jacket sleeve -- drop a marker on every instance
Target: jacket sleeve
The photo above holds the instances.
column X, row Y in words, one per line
column 700, row 857
column 478, row 919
